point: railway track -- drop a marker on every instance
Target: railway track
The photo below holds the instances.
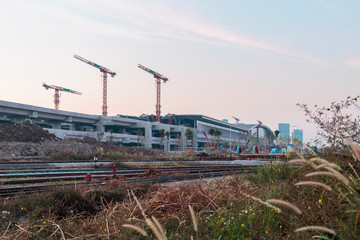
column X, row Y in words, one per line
column 48, row 179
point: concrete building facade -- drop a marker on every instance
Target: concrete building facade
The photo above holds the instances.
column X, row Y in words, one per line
column 130, row 130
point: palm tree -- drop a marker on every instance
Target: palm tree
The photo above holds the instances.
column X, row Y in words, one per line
column 139, row 134
column 212, row 133
column 277, row 132
column 189, row 135
column 217, row 135
column 162, row 136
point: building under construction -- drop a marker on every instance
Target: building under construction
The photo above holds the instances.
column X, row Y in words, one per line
column 143, row 130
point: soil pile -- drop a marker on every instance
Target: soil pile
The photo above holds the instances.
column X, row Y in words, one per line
column 29, row 140
column 24, row 132
column 43, row 149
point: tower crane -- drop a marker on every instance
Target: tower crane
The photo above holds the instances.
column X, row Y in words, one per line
column 57, row 94
column 158, row 78
column 236, row 119
column 105, row 71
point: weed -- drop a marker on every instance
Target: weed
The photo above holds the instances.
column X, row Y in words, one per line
column 69, row 156
column 116, row 155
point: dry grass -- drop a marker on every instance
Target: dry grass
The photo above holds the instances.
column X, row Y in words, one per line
column 275, row 204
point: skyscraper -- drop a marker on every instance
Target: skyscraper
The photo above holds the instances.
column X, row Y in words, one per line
column 284, row 129
column 297, row 134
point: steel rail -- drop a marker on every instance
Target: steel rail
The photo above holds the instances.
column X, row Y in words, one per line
column 124, row 174
column 5, row 192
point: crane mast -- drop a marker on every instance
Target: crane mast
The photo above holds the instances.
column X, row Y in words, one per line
column 105, row 71
column 57, row 93
column 158, row 78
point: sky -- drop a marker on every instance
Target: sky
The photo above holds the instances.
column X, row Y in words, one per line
column 254, row 60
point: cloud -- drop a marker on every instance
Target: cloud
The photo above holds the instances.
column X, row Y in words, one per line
column 353, row 62
column 153, row 19
column 163, row 20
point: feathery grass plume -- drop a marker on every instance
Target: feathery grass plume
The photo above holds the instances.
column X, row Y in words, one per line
column 354, row 148
column 158, row 225
column 154, row 229
column 262, row 202
column 286, row 204
column 312, row 183
column 323, row 161
column 310, row 150
column 303, row 161
column 138, row 204
column 338, row 175
column 320, row 174
column 193, row 218
column 138, row 229
column 321, row 166
column 332, row 165
column 316, row 228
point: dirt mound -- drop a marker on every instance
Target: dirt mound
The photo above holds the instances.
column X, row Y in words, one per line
column 90, row 140
column 43, row 149
column 24, row 132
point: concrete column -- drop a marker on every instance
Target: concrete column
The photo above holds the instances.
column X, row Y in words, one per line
column 183, row 139
column 167, row 142
column 100, row 128
column 195, row 139
column 148, row 134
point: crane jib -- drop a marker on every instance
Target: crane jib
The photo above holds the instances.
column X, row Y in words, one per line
column 95, row 65
column 151, row 71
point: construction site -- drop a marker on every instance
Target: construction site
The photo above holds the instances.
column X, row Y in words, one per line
column 170, row 133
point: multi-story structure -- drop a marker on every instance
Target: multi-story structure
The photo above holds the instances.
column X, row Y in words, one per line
column 297, row 135
column 144, row 130
column 284, row 129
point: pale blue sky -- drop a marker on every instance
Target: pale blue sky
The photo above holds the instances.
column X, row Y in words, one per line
column 249, row 59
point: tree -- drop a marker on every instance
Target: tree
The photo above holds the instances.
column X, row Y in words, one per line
column 100, row 136
column 110, row 139
column 162, row 137
column 189, row 135
column 139, row 134
column 217, row 135
column 276, row 132
column 212, row 133
column 337, row 122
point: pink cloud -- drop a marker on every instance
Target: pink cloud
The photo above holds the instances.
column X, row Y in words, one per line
column 353, row 62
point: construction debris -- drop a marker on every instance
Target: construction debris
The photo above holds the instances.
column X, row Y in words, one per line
column 24, row 132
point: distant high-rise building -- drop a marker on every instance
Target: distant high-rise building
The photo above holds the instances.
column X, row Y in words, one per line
column 297, row 134
column 284, row 129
